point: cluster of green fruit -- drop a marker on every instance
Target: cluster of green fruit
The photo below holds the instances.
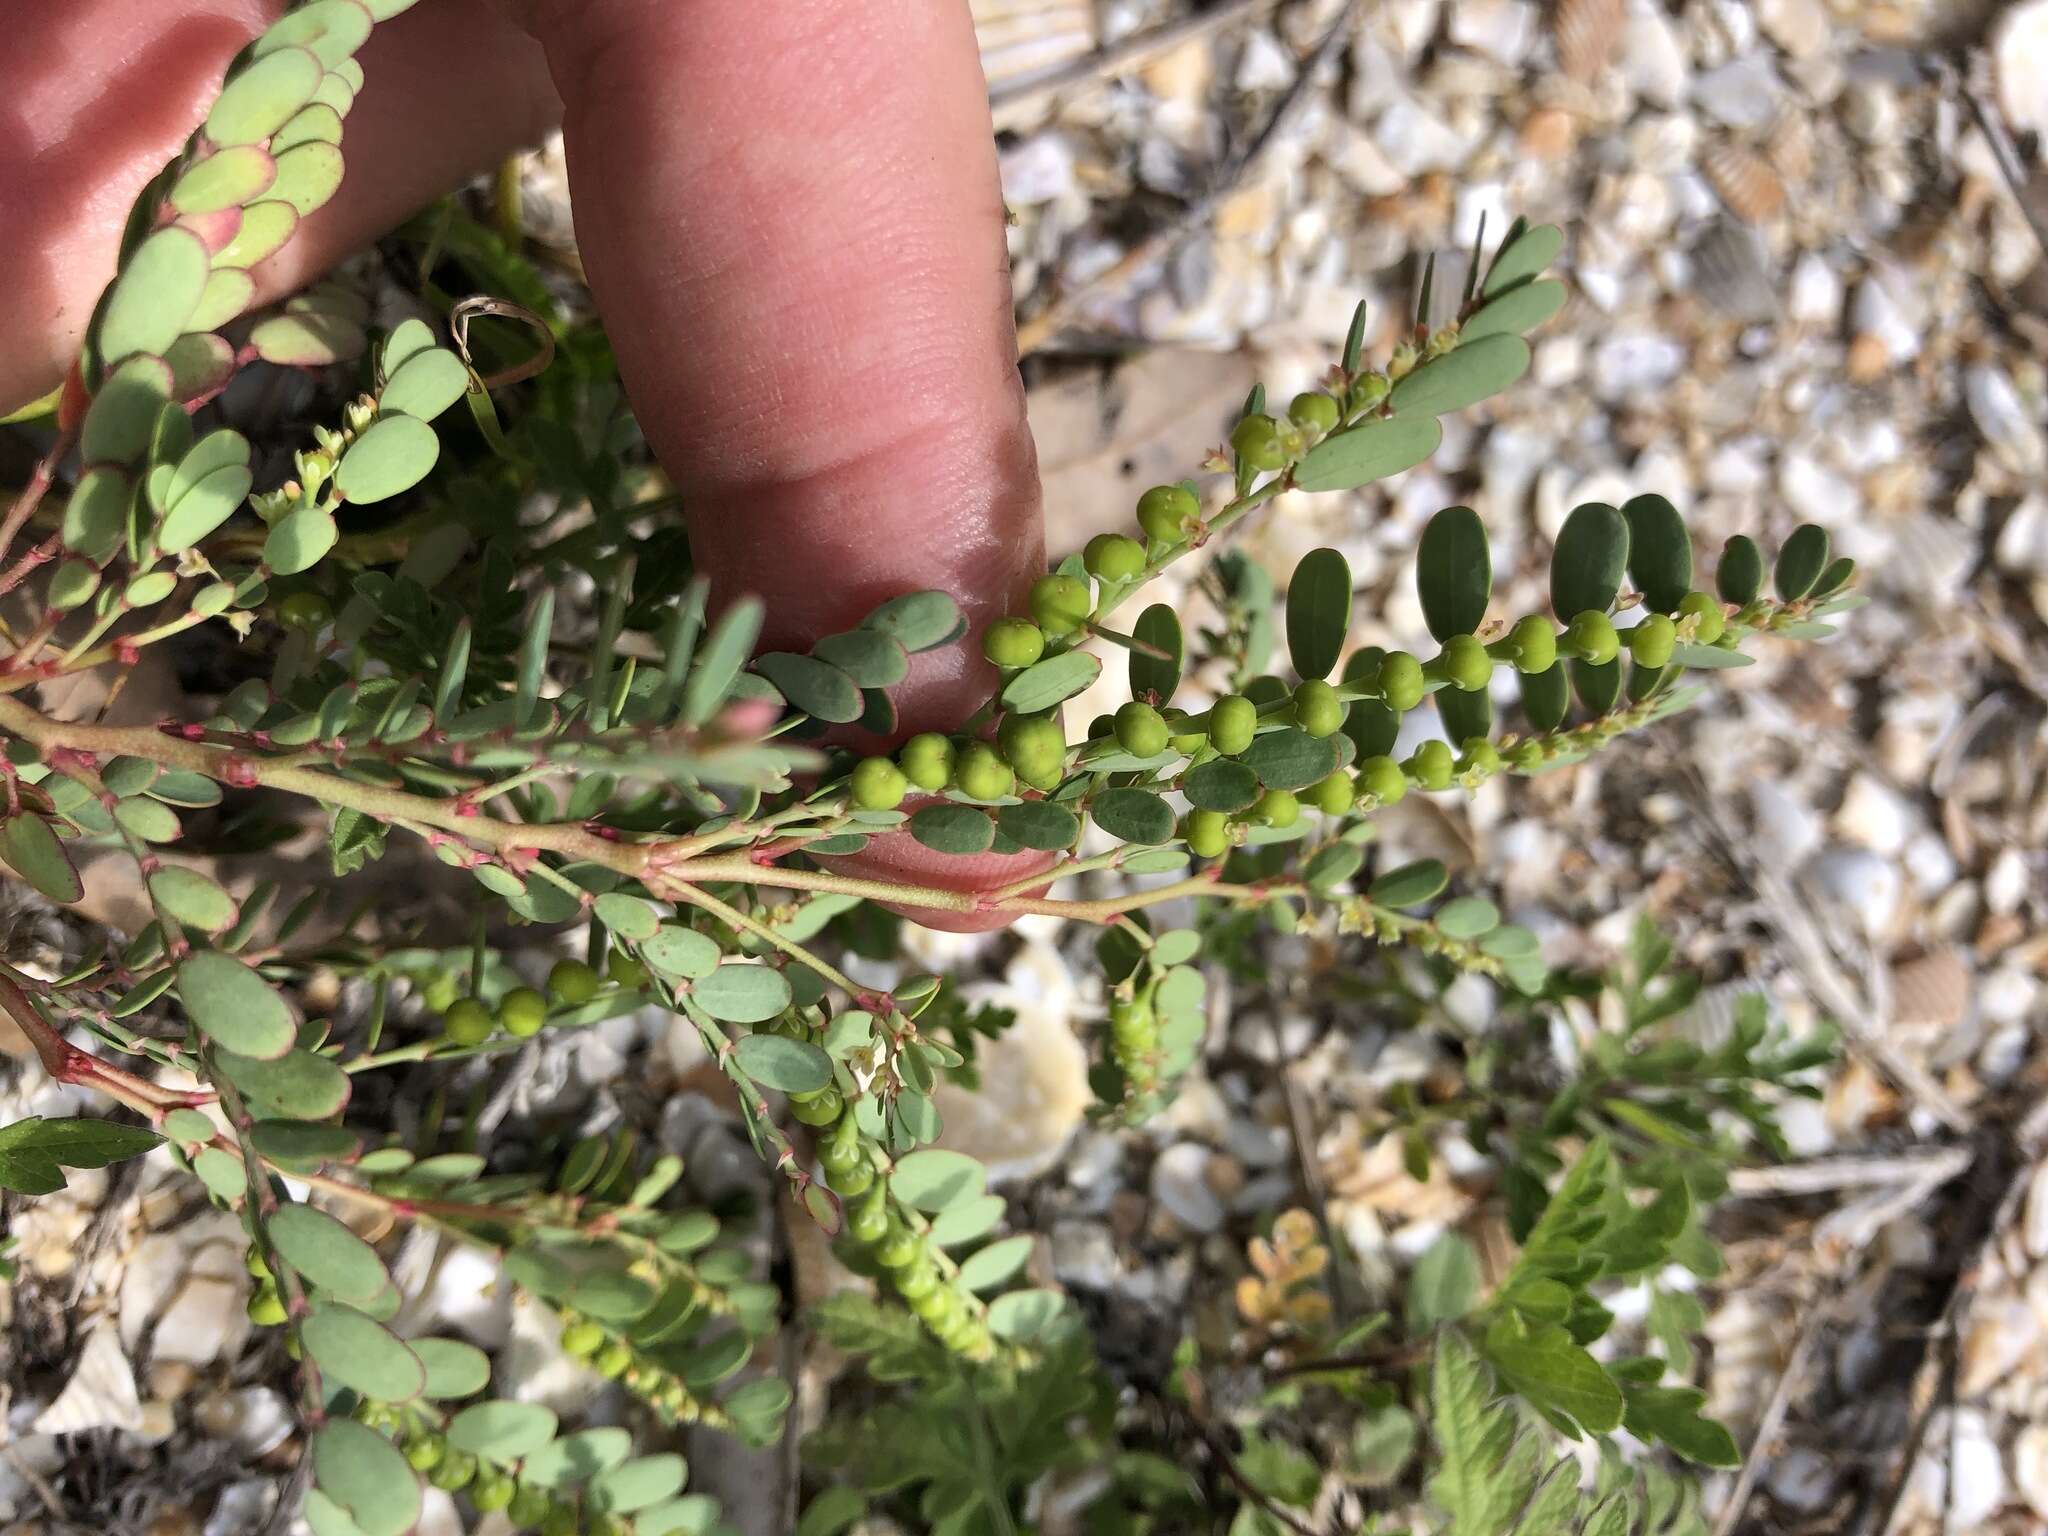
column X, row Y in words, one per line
column 492, row 1489
column 910, row 1258
column 523, row 1011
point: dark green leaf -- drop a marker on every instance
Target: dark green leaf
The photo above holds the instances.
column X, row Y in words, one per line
column 1465, row 376
column 816, row 687
column 1291, row 759
column 1222, row 785
column 917, row 621
column 1050, row 682
column 1465, row 715
column 1152, row 679
column 1133, row 815
column 233, row 1005
column 1522, row 257
column 1587, row 565
column 299, row 1145
column 1454, row 573
column 1598, row 686
column 1370, row 451
column 1659, row 552
column 1318, row 612
column 1410, row 885
column 1740, row 575
column 871, row 658
column 776, row 1061
column 1039, row 825
column 956, row 829
column 32, row 1150
column 35, row 852
column 1672, row 1415
column 738, row 993
column 1518, row 310
column 1801, row 561
column 1554, row 1374
column 1546, row 696
column 1444, row 1283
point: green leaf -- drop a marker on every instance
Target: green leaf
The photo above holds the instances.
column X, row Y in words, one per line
column 1709, row 658
column 1369, row 451
column 299, row 1085
column 1659, row 552
column 816, row 687
column 1318, row 612
column 263, row 96
column 1021, row 1316
column 917, row 621
column 227, row 178
column 327, row 1253
column 1465, row 376
column 718, row 665
column 1473, row 1437
column 308, row 176
column 203, row 508
column 366, row 1476
column 1586, row 566
column 503, row 1431
column 1151, row 679
column 1672, row 1415
column 970, row 1219
column 331, row 30
column 869, row 657
column 1454, row 573
column 1410, row 885
column 1133, row 815
column 408, row 339
column 1554, row 1374
column 1039, row 825
column 1523, row 257
column 362, row 1354
column 1290, row 758
column 638, row 1484
column 393, row 454
column 1465, row 715
column 1221, row 785
column 1597, row 685
column 1840, row 571
column 991, row 1266
column 1467, row 918
column 679, row 951
column 832, row 1511
column 694, row 1514
column 627, row 916
column 955, row 829
column 1331, row 866
column 192, row 899
column 935, row 1179
column 123, row 415
column 227, row 294
column 1444, row 1283
column 1049, row 682
column 1740, row 575
column 266, row 227
column 1518, row 310
column 1800, row 562
column 737, row 993
column 776, row 1061
column 32, row 1150
column 154, row 295
column 234, row 1006
column 33, row 851
column 96, row 517
column 577, row 1458
column 300, row 540
column 300, row 1145
column 425, row 384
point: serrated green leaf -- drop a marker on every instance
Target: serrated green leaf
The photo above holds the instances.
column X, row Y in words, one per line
column 1672, row 1415
column 32, row 1150
column 1542, row 1364
column 1444, row 1283
column 1021, row 1316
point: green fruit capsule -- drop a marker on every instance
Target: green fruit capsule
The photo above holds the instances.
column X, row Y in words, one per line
column 1114, row 557
column 982, row 775
column 529, row 1507
column 1207, row 833
column 877, row 785
column 307, row 611
column 611, row 1361
column 439, row 994
column 1165, row 511
column 1400, row 681
column 1034, row 745
column 424, row 1452
column 1526, row 754
column 1013, row 642
column 1432, row 765
column 453, row 1472
column 582, row 1339
column 1710, row 620
column 868, row 1226
column 266, row 1307
column 857, row 1180
column 1061, row 604
column 1480, row 757
column 1535, row 643
column 934, row 1306
column 1334, row 795
column 1277, row 808
column 1132, row 1027
column 927, row 761
column 822, row 1107
column 1466, row 664
column 917, row 1279
column 1317, row 709
column 1382, row 779
column 1651, row 641
column 521, row 1012
column 493, row 1491
column 1591, row 637
column 1233, row 721
column 1313, row 411
column 899, row 1249
column 622, row 970
column 1256, row 442
column 572, row 982
column 1141, row 730
column 468, row 1022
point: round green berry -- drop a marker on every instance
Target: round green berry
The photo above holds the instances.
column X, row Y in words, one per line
column 1256, row 442
column 899, row 1249
column 1591, row 637
column 1369, row 391
column 1233, row 721
column 467, row 1022
column 877, row 785
column 1061, row 604
column 1432, row 765
column 1165, row 511
column 266, row 1307
column 1651, row 641
column 820, row 1107
column 868, row 1225
column 849, row 1182
column 1013, row 642
column 1535, row 643
column 917, row 1279
column 934, row 1305
column 1466, row 664
column 1526, row 754
column 982, row 774
column 1400, row 681
column 1710, row 620
column 1141, row 730
column 1313, row 411
column 1480, row 756
column 440, row 993
column 1277, row 808
column 493, row 1491
column 611, row 1361
column 1317, row 709
column 1333, row 796
column 582, row 1339
column 306, row 611
column 521, row 1012
column 572, row 982
column 424, row 1452
column 1382, row 778
column 927, row 761
column 1034, row 745
column 623, row 970
column 529, row 1507
column 453, row 1472
column 1207, row 833
column 1113, row 557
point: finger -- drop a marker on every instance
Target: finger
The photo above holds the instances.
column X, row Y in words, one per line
column 791, row 219
column 94, row 98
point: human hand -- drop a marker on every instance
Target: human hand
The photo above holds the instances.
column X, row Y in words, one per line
column 791, row 221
